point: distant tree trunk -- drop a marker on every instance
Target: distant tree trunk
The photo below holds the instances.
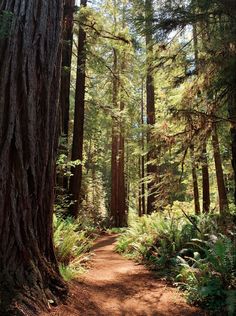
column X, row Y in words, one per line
column 114, row 148
column 140, row 211
column 151, row 168
column 195, row 183
column 142, row 162
column 29, row 94
column 118, row 192
column 78, row 131
column 67, row 37
column 121, row 175
column 205, row 181
column 223, row 201
column 232, row 117
column 127, row 179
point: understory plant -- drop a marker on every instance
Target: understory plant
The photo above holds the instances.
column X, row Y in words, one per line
column 198, row 253
column 72, row 243
column 209, row 278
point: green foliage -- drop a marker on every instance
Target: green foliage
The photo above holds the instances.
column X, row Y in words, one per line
column 190, row 250
column 156, row 238
column 64, row 165
column 72, row 243
column 210, row 278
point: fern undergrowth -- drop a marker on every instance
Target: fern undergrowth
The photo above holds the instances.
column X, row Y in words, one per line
column 197, row 253
column 73, row 241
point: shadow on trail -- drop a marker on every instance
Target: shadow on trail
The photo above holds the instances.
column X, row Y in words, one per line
column 105, row 242
column 116, row 286
column 131, row 295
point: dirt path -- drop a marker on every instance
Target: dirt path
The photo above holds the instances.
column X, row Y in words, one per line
column 115, row 286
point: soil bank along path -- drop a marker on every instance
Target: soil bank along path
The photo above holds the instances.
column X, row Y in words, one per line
column 116, row 286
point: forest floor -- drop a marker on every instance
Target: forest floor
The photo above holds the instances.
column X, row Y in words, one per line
column 116, row 286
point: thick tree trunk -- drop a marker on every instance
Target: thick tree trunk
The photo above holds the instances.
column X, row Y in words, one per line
column 223, row 201
column 78, row 131
column 195, row 182
column 205, row 181
column 29, row 93
column 150, row 95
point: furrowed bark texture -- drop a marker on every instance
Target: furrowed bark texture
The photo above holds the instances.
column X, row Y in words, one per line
column 78, row 131
column 29, row 89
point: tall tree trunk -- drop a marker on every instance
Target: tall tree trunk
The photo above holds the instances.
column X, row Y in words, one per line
column 29, row 116
column 232, row 117
column 140, row 210
column 114, row 148
column 121, row 174
column 205, row 171
column 118, row 197
column 78, row 131
column 195, row 182
column 67, row 37
column 223, row 201
column 142, row 161
column 205, row 181
column 150, row 95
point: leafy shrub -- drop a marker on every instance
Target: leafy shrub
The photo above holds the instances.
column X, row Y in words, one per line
column 72, row 245
column 191, row 249
column 155, row 238
column 210, row 279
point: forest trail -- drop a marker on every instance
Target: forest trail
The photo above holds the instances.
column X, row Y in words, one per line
column 116, row 286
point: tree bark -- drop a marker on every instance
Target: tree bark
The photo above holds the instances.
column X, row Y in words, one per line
column 121, row 175
column 118, row 192
column 142, row 161
column 205, row 182
column 223, row 201
column 78, row 131
column 67, row 37
column 150, row 96
column 232, row 117
column 29, row 93
column 195, row 183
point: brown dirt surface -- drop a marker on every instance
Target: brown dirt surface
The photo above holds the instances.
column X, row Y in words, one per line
column 116, row 286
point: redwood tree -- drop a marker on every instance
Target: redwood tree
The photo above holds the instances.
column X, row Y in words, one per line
column 195, row 182
column 67, row 37
column 78, row 131
column 118, row 192
column 222, row 192
column 29, row 93
column 150, row 96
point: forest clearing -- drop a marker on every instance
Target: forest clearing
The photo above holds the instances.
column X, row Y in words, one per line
column 117, row 157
